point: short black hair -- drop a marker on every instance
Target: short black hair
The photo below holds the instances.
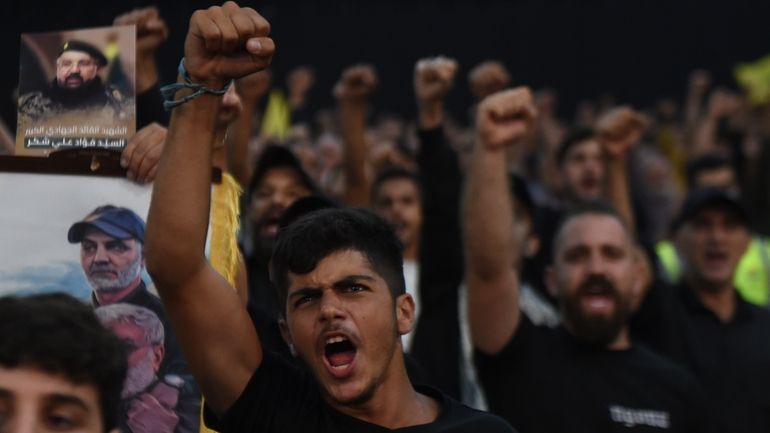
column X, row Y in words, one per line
column 574, row 137
column 395, row 173
column 703, row 163
column 586, row 207
column 60, row 335
column 308, row 240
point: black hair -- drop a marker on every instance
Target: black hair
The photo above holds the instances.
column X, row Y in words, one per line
column 703, row 163
column 576, row 136
column 308, row 240
column 586, row 207
column 395, row 173
column 61, row 335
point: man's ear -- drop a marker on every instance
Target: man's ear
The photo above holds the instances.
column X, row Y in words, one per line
column 405, row 310
column 549, row 278
column 158, row 351
column 286, row 335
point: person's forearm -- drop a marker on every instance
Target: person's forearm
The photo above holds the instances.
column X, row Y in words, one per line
column 488, row 215
column 237, row 144
column 178, row 218
column 431, row 114
column 353, row 117
column 618, row 191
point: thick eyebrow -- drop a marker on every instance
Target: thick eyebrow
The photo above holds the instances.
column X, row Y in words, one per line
column 61, row 399
column 344, row 282
column 351, row 279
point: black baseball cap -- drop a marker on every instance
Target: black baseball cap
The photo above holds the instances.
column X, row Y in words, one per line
column 118, row 222
column 708, row 196
column 75, row 45
column 278, row 156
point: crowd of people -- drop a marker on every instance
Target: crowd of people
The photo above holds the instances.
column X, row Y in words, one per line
column 522, row 273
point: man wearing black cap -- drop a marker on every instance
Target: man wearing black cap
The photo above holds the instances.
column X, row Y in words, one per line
column 111, row 242
column 77, row 85
column 703, row 323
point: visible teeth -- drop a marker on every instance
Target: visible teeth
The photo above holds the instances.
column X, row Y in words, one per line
column 335, row 340
column 339, row 367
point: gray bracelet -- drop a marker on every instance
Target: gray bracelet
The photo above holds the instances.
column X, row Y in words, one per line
column 168, row 91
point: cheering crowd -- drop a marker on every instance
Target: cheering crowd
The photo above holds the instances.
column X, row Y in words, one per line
column 521, row 273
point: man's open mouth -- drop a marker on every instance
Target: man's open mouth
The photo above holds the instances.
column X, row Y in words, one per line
column 339, row 354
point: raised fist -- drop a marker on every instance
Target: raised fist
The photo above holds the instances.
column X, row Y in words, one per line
column 433, row 77
column 151, row 30
column 487, row 78
column 300, row 80
column 700, row 81
column 619, row 129
column 226, row 42
column 723, row 103
column 356, row 84
column 505, row 118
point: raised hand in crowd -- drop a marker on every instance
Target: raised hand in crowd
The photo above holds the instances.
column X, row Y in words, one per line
column 503, row 119
column 433, row 78
column 251, row 89
column 222, row 44
column 298, row 84
column 352, row 92
column 151, row 32
column 487, row 78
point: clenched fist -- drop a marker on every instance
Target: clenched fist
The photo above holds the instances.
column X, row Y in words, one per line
column 619, row 129
column 487, row 78
column 505, row 117
column 433, row 78
column 226, row 42
column 356, row 84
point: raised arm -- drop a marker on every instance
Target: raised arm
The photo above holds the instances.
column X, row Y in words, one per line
column 619, row 130
column 215, row 332
column 252, row 88
column 352, row 92
column 503, row 119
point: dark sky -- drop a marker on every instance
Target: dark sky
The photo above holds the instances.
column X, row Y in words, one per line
column 637, row 50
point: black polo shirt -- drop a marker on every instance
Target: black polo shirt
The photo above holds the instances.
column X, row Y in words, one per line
column 731, row 360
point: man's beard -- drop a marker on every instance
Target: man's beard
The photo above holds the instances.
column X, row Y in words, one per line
column 139, row 377
column 124, row 278
column 598, row 330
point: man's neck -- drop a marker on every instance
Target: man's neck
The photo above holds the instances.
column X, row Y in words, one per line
column 108, row 297
column 719, row 300
column 412, row 251
column 396, row 404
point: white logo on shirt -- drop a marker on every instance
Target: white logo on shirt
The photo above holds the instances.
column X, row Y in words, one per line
column 634, row 417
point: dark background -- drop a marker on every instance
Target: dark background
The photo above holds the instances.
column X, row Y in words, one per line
column 637, row 50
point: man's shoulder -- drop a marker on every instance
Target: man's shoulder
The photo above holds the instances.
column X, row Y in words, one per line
column 654, row 365
column 457, row 417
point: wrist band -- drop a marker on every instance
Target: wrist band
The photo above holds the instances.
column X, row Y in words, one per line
column 168, row 91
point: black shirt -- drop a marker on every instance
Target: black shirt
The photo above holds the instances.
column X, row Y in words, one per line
column 544, row 380
column 283, row 398
column 731, row 360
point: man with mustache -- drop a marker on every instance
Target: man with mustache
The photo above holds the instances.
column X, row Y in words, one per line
column 111, row 242
column 585, row 375
column 149, row 402
column 77, row 85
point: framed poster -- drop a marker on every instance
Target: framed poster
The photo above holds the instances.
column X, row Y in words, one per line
column 76, row 90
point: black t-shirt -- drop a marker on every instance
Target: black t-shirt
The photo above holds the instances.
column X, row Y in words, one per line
column 731, row 360
column 544, row 380
column 283, row 398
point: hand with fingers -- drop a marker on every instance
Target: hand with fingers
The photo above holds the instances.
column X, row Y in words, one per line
column 487, row 78
column 619, row 129
column 225, row 43
column 141, row 155
column 433, row 78
column 356, row 84
column 151, row 32
column 505, row 118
